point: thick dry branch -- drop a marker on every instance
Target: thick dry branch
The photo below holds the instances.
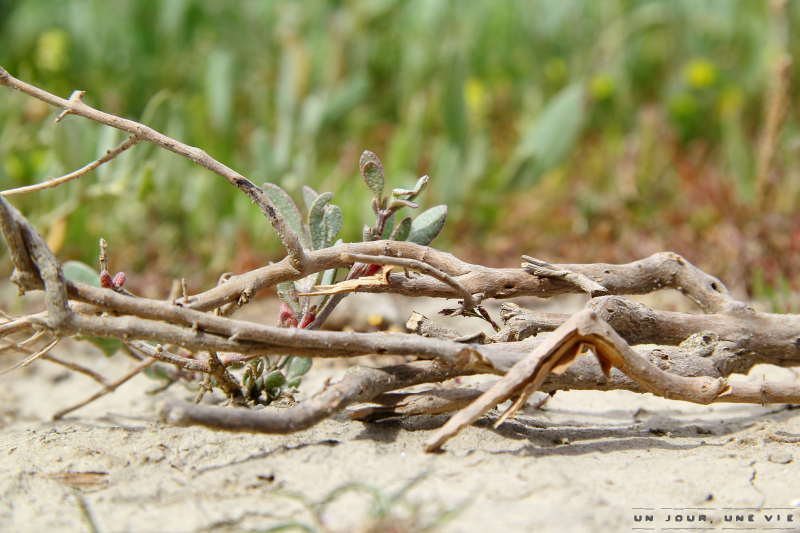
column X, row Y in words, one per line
column 54, row 182
column 737, row 340
column 560, row 349
column 660, row 271
column 360, row 384
column 75, row 106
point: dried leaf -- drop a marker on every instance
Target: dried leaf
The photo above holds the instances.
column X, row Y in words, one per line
column 353, row 284
column 427, row 225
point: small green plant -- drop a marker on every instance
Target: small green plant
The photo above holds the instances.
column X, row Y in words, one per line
column 317, row 231
column 266, row 378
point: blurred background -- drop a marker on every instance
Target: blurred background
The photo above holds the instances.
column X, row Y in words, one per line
column 573, row 131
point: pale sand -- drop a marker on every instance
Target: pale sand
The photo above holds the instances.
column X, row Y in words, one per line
column 583, row 463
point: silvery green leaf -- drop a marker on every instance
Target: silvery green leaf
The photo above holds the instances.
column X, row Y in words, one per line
column 309, row 195
column 372, row 172
column 427, row 225
column 402, row 230
column 413, row 193
column 298, row 367
column 315, row 222
column 388, row 227
column 77, row 271
column 287, row 209
column 366, row 233
column 332, row 221
column 274, row 380
column 396, row 204
column 288, row 294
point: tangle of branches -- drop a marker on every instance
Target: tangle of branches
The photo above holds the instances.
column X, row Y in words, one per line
column 195, row 338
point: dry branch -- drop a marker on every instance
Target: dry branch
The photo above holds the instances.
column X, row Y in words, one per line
column 55, row 182
column 360, row 384
column 558, row 351
column 731, row 337
column 75, row 106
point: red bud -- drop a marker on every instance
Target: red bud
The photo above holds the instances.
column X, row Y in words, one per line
column 119, row 280
column 105, row 280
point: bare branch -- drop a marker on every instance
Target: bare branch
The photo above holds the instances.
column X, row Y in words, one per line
column 359, row 384
column 75, row 106
column 75, row 367
column 412, row 264
column 55, row 182
column 543, row 269
column 558, row 351
column 32, row 358
column 110, row 387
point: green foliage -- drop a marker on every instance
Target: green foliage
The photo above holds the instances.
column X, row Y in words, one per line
column 263, row 376
column 372, row 172
column 529, row 99
column 428, row 225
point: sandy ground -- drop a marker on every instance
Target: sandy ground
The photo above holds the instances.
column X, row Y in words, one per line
column 587, row 461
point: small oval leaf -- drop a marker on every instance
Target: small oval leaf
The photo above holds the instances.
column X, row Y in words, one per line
column 402, row 230
column 427, row 225
column 81, row 272
column 274, row 379
column 284, row 204
column 107, row 346
column 298, row 367
column 315, row 222
column 388, row 227
column 372, row 172
column 332, row 221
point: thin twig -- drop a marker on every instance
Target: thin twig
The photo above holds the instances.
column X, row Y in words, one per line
column 32, row 358
column 469, row 300
column 76, row 107
column 77, row 368
column 540, row 268
column 111, row 387
column 55, row 182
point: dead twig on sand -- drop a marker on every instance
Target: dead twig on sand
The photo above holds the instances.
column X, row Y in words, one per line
column 591, row 350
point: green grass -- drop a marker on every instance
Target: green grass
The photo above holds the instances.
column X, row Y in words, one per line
column 571, row 130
